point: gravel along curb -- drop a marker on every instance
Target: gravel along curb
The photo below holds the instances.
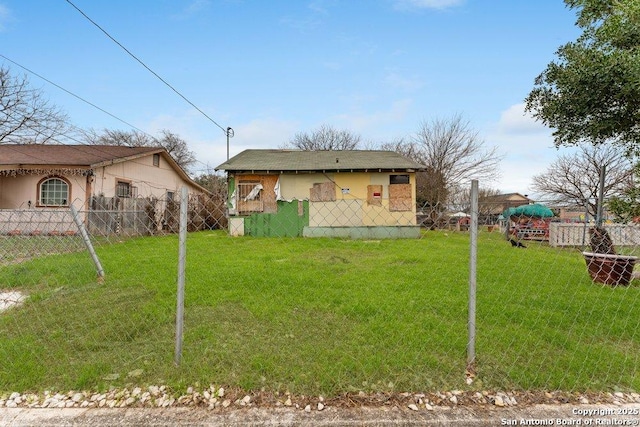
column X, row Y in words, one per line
column 536, row 415
column 215, row 406
column 219, row 398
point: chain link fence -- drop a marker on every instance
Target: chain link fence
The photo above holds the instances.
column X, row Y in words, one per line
column 314, row 297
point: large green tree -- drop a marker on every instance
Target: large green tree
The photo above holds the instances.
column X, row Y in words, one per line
column 591, row 92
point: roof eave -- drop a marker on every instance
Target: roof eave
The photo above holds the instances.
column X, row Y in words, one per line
column 327, row 170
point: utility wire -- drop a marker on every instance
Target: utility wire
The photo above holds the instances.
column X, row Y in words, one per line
column 145, row 66
column 206, row 168
column 73, row 94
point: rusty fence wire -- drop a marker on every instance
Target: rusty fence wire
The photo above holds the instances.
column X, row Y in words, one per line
column 316, row 297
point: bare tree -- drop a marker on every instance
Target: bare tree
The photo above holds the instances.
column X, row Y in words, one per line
column 175, row 146
column 119, row 137
column 26, row 117
column 325, row 138
column 216, row 184
column 574, row 179
column 453, row 153
column 461, row 200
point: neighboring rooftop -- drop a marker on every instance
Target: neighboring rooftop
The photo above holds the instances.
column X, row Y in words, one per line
column 19, row 155
column 507, row 197
column 325, row 161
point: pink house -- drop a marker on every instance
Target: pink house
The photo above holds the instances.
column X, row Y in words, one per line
column 42, row 178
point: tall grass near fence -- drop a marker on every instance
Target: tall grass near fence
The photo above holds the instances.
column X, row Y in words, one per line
column 318, row 316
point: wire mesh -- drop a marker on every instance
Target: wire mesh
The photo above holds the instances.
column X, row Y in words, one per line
column 312, row 296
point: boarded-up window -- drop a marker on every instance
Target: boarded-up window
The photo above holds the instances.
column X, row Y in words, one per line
column 269, row 203
column 249, row 197
column 262, row 201
column 374, row 195
column 323, row 192
column 400, row 197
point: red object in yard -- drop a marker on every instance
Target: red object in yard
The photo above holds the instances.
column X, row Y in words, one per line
column 610, row 269
column 532, row 228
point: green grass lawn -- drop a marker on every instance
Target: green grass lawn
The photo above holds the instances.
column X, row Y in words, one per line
column 318, row 316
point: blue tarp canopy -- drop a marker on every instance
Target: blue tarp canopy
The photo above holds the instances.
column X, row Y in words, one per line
column 533, row 210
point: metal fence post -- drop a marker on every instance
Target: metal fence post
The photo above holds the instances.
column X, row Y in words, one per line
column 182, row 258
column 473, row 257
column 87, row 241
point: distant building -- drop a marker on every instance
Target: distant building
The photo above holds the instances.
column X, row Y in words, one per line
column 491, row 207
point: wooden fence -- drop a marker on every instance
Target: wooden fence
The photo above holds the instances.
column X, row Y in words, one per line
column 116, row 216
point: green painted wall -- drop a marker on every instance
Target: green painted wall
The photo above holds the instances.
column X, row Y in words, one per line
column 285, row 223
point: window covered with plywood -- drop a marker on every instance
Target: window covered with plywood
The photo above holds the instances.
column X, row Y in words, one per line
column 400, row 199
column 323, row 192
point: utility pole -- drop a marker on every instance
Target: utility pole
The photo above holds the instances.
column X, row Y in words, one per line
column 230, row 134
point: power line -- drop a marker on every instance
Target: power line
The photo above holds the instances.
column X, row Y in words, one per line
column 206, row 168
column 74, row 95
column 145, row 66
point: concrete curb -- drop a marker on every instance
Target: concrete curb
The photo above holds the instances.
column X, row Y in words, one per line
column 481, row 415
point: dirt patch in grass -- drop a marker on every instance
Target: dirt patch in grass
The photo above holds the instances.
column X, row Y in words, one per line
column 10, row 299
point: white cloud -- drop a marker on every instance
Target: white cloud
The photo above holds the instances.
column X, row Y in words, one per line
column 399, row 81
column 427, row 4
column 5, row 17
column 209, row 142
column 256, row 134
column 194, row 7
column 197, row 6
column 514, row 120
column 319, row 6
column 318, row 11
column 377, row 120
column 527, row 145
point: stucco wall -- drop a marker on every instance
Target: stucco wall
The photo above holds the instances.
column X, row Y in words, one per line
column 149, row 180
column 17, row 191
column 350, row 207
column 297, row 186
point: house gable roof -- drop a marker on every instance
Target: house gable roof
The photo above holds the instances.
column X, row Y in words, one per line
column 318, row 161
column 79, row 157
column 89, row 156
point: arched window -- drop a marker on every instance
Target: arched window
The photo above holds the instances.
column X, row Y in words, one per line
column 54, row 192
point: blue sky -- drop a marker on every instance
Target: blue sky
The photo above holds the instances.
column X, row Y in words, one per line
column 270, row 69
